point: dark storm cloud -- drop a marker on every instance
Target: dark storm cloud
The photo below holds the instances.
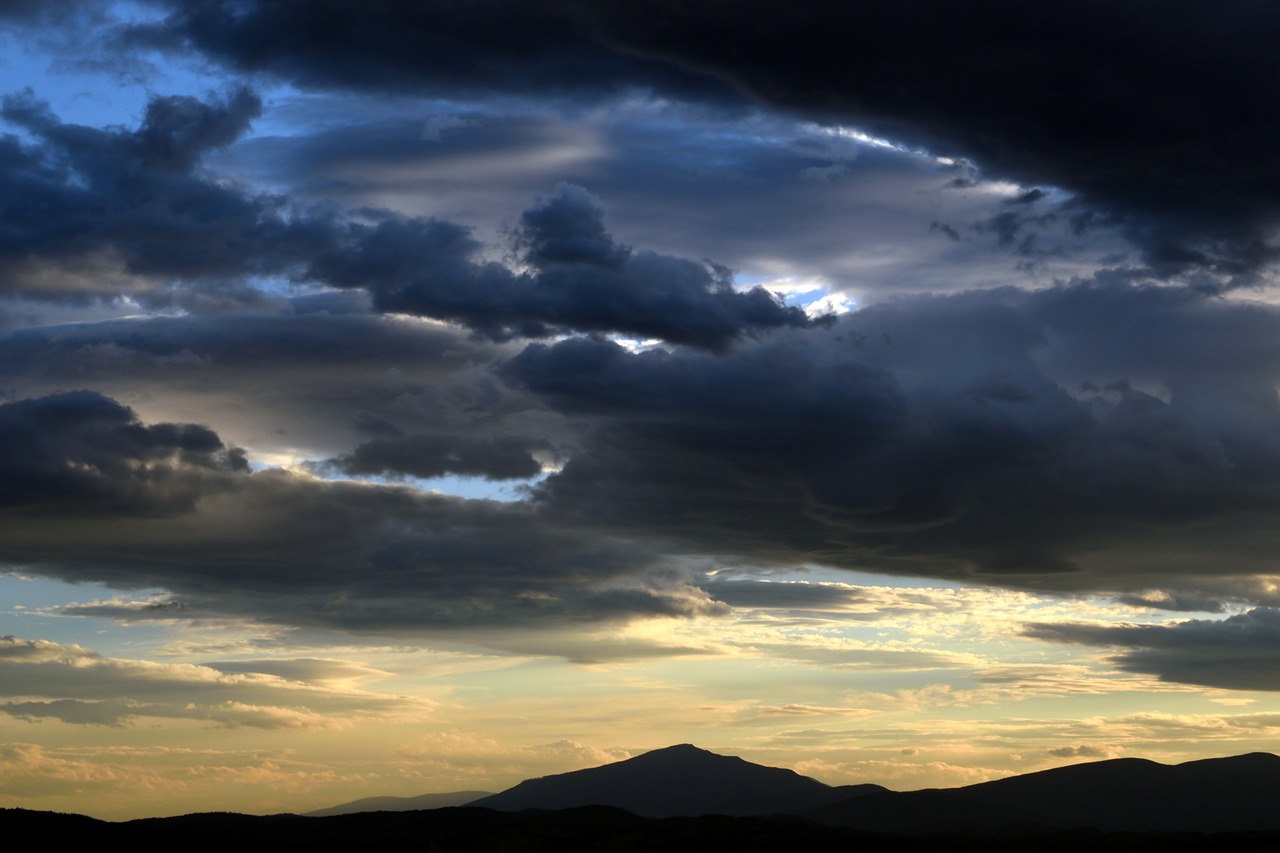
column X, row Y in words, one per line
column 1159, row 112
column 94, row 199
column 89, row 205
column 27, row 12
column 1241, row 652
column 422, row 455
column 445, row 48
column 82, row 452
column 388, row 395
column 295, row 340
column 95, row 495
column 578, row 278
column 1102, row 435
column 951, row 437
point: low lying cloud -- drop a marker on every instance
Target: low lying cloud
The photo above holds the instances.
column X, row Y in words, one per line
column 1241, row 652
column 75, row 685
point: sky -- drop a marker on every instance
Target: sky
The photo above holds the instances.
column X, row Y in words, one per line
column 419, row 397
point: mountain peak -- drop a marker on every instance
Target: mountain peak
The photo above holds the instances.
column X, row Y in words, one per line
column 680, row 748
column 680, row 752
column 672, row 781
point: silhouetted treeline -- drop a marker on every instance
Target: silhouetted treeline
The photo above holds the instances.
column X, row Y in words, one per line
column 595, row 828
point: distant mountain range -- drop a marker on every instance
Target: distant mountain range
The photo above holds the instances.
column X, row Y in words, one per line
column 1121, row 795
column 402, row 804
column 687, row 799
column 679, row 781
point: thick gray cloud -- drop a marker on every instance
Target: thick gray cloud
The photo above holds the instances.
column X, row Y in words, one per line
column 438, row 47
column 1076, row 95
column 1241, row 652
column 1103, row 435
column 971, row 436
column 426, row 456
column 1068, row 439
column 578, row 279
column 298, row 380
column 108, row 499
column 82, row 452
column 117, row 202
column 98, row 206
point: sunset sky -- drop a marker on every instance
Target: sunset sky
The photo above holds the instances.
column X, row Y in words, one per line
column 417, row 397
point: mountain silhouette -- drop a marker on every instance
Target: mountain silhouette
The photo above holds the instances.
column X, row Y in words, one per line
column 678, row 781
column 685, row 798
column 402, row 804
column 1121, row 795
column 1213, row 794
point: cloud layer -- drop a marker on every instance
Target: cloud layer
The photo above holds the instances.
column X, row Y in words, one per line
column 1083, row 109
column 276, row 343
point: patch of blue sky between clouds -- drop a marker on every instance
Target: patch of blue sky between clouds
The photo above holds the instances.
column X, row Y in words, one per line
column 40, row 615
column 471, row 488
column 74, row 88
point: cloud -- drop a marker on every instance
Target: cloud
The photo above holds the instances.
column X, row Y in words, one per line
column 301, row 381
column 1101, row 435
column 1237, row 653
column 1177, row 601
column 578, row 279
column 947, row 437
column 29, row 770
column 78, row 686
column 501, row 458
column 433, row 47
column 126, row 212
column 1084, row 110
column 785, row 595
column 1082, row 750
column 106, row 498
column 81, row 451
column 678, row 179
column 998, row 436
column 113, row 211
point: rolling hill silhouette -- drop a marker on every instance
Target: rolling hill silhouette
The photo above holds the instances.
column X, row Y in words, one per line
column 1121, row 795
column 678, row 781
column 685, row 798
column 402, row 804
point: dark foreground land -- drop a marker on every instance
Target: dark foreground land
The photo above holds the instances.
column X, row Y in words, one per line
column 592, row 828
